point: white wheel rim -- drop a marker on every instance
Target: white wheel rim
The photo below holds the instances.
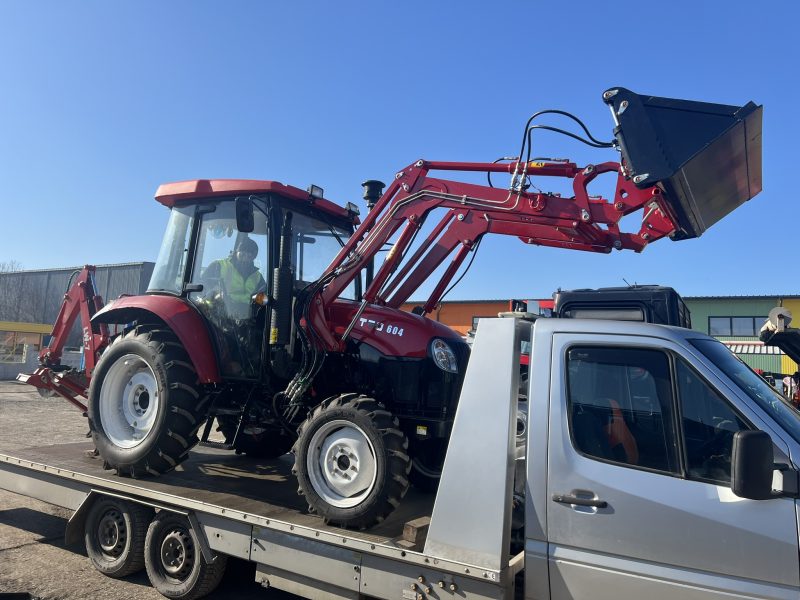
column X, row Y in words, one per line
column 341, row 464
column 128, row 401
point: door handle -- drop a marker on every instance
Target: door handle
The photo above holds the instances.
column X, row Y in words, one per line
column 567, row 499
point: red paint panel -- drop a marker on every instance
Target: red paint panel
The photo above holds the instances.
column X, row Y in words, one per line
column 391, row 331
column 170, row 193
column 181, row 318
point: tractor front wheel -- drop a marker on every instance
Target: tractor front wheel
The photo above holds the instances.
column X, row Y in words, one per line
column 144, row 403
column 351, row 461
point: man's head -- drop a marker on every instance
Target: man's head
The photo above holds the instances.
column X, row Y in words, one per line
column 246, row 250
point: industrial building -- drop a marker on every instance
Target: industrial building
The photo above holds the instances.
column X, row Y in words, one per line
column 30, row 301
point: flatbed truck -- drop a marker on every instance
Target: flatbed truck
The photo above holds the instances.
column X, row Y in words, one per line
column 653, row 464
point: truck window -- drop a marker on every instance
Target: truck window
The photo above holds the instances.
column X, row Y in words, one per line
column 620, row 406
column 770, row 401
column 616, row 314
column 708, row 423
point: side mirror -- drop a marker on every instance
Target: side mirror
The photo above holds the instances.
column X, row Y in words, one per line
column 244, row 215
column 752, row 465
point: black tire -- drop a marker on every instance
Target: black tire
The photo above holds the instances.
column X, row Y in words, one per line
column 173, row 406
column 115, row 533
column 387, row 447
column 427, row 460
column 268, row 443
column 46, row 393
column 174, row 562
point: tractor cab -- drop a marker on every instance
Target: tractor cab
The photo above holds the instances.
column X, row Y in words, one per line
column 233, row 248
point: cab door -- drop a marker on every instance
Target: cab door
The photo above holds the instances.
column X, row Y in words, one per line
column 236, row 324
column 639, row 504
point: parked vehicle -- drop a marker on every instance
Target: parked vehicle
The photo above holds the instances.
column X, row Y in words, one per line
column 648, row 303
column 295, row 355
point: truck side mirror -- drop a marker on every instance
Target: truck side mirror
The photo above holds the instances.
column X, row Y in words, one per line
column 245, row 221
column 752, row 465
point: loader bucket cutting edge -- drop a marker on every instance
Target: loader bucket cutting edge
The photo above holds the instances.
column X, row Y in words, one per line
column 706, row 157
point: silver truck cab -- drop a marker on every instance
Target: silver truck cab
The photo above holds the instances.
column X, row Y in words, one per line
column 632, row 440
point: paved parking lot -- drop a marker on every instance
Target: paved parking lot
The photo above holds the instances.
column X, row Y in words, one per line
column 33, row 557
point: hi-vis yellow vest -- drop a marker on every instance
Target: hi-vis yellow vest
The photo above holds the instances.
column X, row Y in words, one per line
column 237, row 288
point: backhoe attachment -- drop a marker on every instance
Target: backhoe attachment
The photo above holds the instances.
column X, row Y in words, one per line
column 81, row 300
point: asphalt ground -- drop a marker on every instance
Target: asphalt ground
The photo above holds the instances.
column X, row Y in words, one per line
column 33, row 556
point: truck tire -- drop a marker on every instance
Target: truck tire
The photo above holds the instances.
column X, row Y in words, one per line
column 174, row 562
column 351, row 461
column 114, row 534
column 268, row 443
column 144, row 403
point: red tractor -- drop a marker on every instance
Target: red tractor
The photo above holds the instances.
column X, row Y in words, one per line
column 306, row 349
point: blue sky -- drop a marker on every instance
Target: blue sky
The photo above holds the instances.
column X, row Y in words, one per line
column 100, row 102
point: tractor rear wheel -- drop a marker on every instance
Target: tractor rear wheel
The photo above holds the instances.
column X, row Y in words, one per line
column 144, row 403
column 351, row 461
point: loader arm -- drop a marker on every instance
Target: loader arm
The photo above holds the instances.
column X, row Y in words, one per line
column 685, row 165
column 581, row 222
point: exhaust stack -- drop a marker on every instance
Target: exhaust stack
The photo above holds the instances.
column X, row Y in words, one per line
column 706, row 157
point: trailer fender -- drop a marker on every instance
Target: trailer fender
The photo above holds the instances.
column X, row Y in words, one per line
column 180, row 316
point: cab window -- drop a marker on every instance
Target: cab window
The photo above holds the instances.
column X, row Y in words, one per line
column 316, row 244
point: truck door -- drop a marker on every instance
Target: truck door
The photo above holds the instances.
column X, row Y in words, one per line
column 639, row 504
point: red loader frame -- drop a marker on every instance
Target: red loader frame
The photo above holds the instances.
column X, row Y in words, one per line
column 583, row 222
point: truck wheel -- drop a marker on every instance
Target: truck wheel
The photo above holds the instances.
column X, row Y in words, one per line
column 351, row 461
column 255, row 441
column 144, row 403
column 114, row 534
column 174, row 562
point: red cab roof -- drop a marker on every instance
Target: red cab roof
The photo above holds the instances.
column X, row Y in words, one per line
column 169, row 194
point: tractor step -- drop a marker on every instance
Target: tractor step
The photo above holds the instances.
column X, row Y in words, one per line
column 217, row 445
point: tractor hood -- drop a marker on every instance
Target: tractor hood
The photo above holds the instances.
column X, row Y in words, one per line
column 389, row 330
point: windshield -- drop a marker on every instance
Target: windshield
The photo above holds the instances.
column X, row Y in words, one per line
column 763, row 394
column 171, row 261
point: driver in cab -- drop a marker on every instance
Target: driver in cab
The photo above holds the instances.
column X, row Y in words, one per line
column 239, row 277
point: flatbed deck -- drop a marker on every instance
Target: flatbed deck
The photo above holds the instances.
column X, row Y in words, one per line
column 251, row 509
column 214, row 479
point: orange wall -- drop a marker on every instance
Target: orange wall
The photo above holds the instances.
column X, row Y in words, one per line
column 458, row 315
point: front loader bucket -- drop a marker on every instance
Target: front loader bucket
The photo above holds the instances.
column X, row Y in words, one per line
column 706, row 157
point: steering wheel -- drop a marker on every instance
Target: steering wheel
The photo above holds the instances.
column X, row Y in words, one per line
column 716, row 451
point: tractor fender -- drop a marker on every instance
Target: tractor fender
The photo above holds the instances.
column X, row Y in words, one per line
column 180, row 316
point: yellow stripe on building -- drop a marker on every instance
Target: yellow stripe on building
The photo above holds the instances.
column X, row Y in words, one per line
column 25, row 327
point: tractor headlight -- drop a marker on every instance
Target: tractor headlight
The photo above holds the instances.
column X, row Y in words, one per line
column 443, row 356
